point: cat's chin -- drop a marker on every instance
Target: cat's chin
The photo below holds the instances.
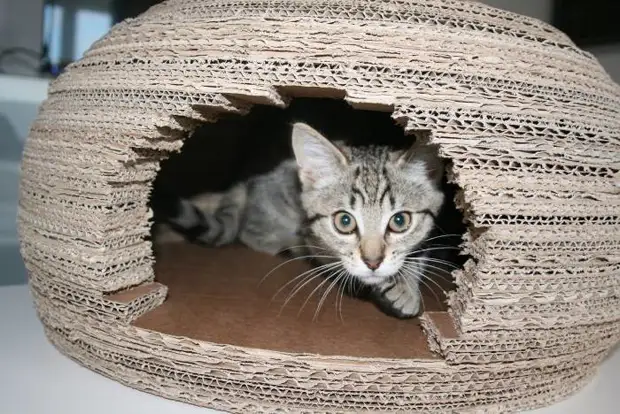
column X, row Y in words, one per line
column 372, row 280
column 376, row 277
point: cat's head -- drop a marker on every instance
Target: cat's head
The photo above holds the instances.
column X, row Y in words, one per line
column 369, row 206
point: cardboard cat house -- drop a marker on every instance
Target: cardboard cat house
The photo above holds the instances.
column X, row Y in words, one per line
column 529, row 121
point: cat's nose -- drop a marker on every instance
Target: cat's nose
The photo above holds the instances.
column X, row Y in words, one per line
column 374, row 263
column 372, row 251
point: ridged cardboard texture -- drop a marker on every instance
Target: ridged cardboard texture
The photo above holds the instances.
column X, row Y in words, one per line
column 530, row 122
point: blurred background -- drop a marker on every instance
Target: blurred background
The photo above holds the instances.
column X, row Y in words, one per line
column 38, row 38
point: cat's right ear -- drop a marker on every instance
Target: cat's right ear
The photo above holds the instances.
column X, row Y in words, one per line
column 319, row 160
column 419, row 159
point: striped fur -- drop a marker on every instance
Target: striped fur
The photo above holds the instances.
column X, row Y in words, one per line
column 297, row 204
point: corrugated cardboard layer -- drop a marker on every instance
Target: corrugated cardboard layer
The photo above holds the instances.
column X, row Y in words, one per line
column 529, row 121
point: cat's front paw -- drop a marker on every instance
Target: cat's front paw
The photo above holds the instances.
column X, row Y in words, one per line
column 397, row 298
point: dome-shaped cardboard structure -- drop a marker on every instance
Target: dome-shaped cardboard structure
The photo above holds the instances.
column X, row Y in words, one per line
column 530, row 122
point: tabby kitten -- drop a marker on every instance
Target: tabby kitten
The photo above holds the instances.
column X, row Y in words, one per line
column 369, row 208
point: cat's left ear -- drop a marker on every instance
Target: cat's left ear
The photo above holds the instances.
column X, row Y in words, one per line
column 421, row 159
column 319, row 160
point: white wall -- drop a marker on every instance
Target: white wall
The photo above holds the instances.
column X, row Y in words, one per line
column 20, row 98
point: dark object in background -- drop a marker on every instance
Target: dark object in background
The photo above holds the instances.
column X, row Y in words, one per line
column 588, row 23
column 124, row 9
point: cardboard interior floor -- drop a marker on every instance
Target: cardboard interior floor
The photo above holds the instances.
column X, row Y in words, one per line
column 216, row 295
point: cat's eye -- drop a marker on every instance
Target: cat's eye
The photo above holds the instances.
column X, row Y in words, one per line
column 400, row 222
column 344, row 222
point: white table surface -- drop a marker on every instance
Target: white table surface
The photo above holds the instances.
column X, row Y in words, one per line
column 37, row 379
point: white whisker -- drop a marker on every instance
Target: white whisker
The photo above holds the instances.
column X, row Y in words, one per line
column 326, row 294
column 444, row 235
column 430, row 259
column 433, row 248
column 421, row 277
column 303, row 284
column 411, row 289
column 348, row 283
column 292, row 260
column 436, row 275
column 423, row 282
column 307, row 273
column 443, row 273
column 417, row 277
column 339, row 297
column 309, row 246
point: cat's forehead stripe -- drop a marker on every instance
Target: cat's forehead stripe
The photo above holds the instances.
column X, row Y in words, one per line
column 371, row 182
column 359, row 192
column 387, row 192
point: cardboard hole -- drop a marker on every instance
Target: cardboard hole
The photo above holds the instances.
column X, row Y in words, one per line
column 214, row 294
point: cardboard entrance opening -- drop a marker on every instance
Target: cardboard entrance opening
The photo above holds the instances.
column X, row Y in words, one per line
column 215, row 295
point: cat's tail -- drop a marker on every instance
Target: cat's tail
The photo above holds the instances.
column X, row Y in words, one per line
column 211, row 219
